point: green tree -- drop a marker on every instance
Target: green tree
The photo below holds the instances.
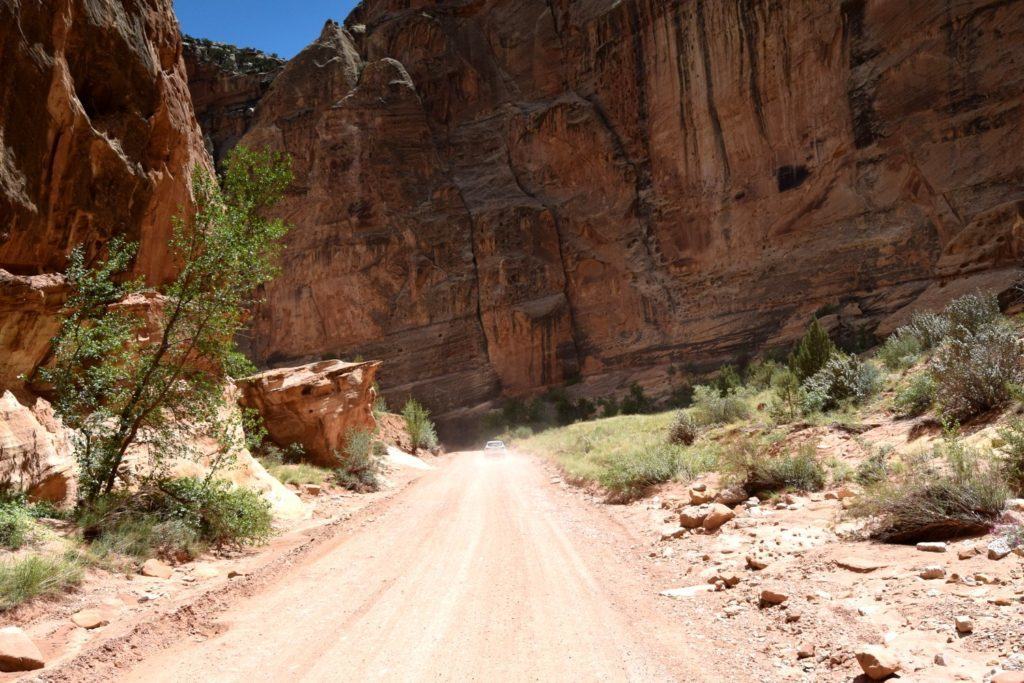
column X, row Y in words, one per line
column 812, row 352
column 155, row 380
column 787, row 388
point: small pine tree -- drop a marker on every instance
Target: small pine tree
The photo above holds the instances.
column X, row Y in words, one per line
column 812, row 352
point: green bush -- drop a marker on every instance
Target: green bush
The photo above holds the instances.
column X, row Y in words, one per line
column 974, row 373
column 419, row 426
column 728, row 380
column 916, row 397
column 929, row 329
column 874, row 469
column 757, row 470
column 635, row 402
column 361, row 463
column 684, row 429
column 710, row 407
column 1011, row 457
column 955, row 492
column 177, row 517
column 969, row 314
column 627, row 478
column 35, row 576
column 843, row 378
column 759, row 374
column 812, row 352
column 788, row 395
column 901, row 350
column 520, row 432
column 609, row 406
column 15, row 525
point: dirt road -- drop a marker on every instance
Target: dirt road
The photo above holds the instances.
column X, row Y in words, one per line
column 481, row 570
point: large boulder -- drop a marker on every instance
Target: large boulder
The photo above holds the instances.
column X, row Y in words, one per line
column 35, row 450
column 314, row 405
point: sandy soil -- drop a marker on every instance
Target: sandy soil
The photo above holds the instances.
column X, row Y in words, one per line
column 483, row 569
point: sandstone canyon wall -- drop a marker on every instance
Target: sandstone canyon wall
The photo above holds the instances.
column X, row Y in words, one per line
column 97, row 138
column 499, row 195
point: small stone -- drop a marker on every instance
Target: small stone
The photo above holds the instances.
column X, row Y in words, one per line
column 963, row 624
column 156, row 569
column 805, row 651
column 234, row 573
column 940, row 659
column 933, row 571
column 998, row 549
column 773, row 596
column 877, row 662
column 18, row 652
column 89, row 618
column 793, row 616
column 718, row 515
column 693, row 516
column 205, row 571
column 698, row 486
column 1008, row 677
column 932, row 547
column 671, row 531
column 732, row 610
column 757, row 562
column 859, row 564
column 701, row 497
column 312, row 489
column 733, row 495
column 967, row 553
column 688, row 591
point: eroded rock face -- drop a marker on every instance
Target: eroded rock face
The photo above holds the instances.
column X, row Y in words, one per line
column 97, row 132
column 227, row 84
column 29, row 319
column 498, row 195
column 35, row 451
column 314, row 405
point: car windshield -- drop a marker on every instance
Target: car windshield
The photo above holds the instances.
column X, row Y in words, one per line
column 495, row 444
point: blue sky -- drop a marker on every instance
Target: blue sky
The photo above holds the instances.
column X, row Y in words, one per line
column 269, row 25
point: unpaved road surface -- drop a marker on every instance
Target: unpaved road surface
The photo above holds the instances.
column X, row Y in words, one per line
column 479, row 571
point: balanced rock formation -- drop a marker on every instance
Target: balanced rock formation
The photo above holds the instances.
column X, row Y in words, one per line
column 314, row 405
column 97, row 132
column 35, row 451
column 499, row 195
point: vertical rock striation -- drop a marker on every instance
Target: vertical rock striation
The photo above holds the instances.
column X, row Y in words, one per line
column 498, row 195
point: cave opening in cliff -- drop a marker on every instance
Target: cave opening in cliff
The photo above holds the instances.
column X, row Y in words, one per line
column 790, row 177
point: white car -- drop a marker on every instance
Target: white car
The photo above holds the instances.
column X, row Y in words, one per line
column 495, row 446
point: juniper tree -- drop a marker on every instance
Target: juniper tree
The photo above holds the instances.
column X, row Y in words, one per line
column 155, row 380
column 812, row 353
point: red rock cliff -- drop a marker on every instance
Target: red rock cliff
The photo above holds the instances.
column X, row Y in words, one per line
column 97, row 138
column 97, row 132
column 495, row 195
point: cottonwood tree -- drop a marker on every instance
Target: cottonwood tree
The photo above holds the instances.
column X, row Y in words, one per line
column 145, row 369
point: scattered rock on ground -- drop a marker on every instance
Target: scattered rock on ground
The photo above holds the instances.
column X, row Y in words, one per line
column 693, row 516
column 773, row 596
column 859, row 564
column 877, row 662
column 718, row 515
column 156, row 569
column 932, row 547
column 964, row 624
column 998, row 549
column 89, row 618
column 18, row 652
column 933, row 571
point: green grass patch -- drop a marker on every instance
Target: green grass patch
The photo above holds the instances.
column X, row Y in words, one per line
column 299, row 473
column 625, row 454
column 36, row 576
